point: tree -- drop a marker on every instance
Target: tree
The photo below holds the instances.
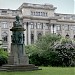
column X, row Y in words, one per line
column 47, row 41
column 66, row 52
column 42, row 51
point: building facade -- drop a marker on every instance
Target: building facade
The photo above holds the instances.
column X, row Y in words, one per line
column 38, row 20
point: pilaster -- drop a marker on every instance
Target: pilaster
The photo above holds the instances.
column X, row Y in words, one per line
column 35, row 33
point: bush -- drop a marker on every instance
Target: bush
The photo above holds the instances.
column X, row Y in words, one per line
column 3, row 57
column 45, row 59
column 3, row 60
column 52, row 50
column 41, row 53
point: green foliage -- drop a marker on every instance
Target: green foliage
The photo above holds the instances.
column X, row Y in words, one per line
column 47, row 41
column 3, row 57
column 41, row 53
column 30, row 49
column 52, row 50
column 66, row 52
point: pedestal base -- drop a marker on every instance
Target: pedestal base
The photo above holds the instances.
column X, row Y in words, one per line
column 29, row 67
column 17, row 55
column 23, row 60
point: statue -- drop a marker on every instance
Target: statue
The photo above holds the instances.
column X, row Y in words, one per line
column 17, row 22
column 18, row 36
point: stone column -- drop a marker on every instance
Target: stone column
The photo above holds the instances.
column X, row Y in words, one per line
column 0, row 32
column 63, row 30
column 29, row 34
column 53, row 28
column 0, row 37
column 25, row 33
column 43, row 28
column 71, row 32
column 9, row 37
column 35, row 32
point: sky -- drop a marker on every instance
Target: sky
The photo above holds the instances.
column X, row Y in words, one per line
column 63, row 6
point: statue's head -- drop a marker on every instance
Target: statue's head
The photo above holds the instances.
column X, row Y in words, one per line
column 17, row 18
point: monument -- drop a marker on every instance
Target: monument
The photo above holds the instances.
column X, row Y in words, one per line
column 17, row 56
column 18, row 60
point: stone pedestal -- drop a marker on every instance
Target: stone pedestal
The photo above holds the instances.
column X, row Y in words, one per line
column 18, row 56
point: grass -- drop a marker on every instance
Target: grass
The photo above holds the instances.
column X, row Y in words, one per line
column 45, row 71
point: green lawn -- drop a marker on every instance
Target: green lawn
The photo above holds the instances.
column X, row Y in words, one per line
column 45, row 71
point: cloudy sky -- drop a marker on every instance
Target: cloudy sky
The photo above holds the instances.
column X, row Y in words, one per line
column 63, row 6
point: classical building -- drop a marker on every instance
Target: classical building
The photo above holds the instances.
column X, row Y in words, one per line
column 38, row 20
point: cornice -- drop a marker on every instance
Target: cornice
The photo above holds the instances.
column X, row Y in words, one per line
column 35, row 18
column 37, row 6
column 7, row 17
column 68, row 21
column 45, row 8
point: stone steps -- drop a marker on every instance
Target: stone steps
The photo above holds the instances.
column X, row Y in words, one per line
column 29, row 67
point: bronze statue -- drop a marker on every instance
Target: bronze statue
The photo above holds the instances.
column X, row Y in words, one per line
column 17, row 22
column 18, row 36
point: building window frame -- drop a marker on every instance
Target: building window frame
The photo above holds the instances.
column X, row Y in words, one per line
column 38, row 13
column 39, row 35
column 4, row 37
column 47, row 26
column 73, row 27
column 4, row 25
column 67, row 27
column 58, row 27
column 32, row 25
column 39, row 25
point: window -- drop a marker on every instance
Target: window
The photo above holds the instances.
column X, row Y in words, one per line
column 46, row 14
column 4, row 37
column 4, row 25
column 67, row 17
column 73, row 17
column 67, row 36
column 74, row 36
column 32, row 25
column 38, row 13
column 47, row 26
column 67, row 27
column 58, row 27
column 5, row 49
column 39, row 26
column 39, row 35
column 3, row 12
column 31, row 13
column 32, row 37
column 59, row 34
column 73, row 27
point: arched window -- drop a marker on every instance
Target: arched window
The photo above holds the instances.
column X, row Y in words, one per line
column 39, row 35
column 59, row 35
column 67, row 36
column 74, row 37
column 32, row 38
column 4, row 37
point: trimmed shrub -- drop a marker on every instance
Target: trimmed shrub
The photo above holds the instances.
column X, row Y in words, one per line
column 3, row 57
